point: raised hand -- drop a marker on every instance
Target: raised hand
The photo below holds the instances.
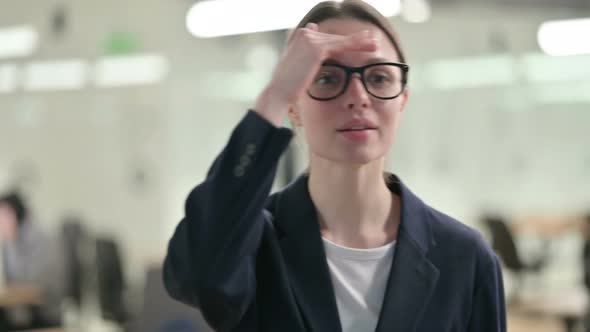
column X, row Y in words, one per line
column 300, row 62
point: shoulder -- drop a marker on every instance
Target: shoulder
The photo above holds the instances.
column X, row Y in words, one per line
column 292, row 195
column 459, row 240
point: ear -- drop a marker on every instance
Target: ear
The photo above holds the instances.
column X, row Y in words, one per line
column 405, row 95
column 294, row 116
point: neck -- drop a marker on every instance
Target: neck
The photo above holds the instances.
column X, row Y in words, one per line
column 355, row 207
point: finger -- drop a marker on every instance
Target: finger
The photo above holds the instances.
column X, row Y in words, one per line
column 362, row 42
column 358, row 42
column 312, row 26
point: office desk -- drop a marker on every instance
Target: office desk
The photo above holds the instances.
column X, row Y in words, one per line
column 16, row 296
column 548, row 227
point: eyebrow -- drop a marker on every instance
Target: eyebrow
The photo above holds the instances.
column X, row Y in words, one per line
column 377, row 60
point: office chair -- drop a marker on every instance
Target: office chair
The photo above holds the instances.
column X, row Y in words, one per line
column 74, row 238
column 110, row 281
column 505, row 247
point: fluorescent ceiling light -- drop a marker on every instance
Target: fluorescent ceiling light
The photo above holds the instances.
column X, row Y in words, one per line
column 541, row 68
column 8, row 77
column 130, row 70
column 213, row 18
column 568, row 37
column 17, row 41
column 56, row 75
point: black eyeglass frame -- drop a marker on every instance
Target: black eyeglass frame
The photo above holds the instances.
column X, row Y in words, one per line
column 361, row 71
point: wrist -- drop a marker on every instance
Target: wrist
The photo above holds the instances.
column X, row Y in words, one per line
column 271, row 108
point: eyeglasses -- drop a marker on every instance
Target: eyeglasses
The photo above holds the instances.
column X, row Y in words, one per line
column 384, row 80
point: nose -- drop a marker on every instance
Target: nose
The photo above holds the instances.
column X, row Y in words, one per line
column 356, row 96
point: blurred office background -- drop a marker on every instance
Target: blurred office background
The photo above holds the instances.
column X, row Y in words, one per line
column 111, row 111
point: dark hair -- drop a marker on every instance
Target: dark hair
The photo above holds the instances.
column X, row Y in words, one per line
column 16, row 202
column 355, row 9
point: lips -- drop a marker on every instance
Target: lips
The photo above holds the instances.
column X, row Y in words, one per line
column 356, row 129
column 357, row 125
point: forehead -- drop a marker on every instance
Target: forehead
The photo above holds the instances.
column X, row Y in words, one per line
column 349, row 26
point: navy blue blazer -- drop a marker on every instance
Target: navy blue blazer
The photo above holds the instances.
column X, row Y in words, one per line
column 254, row 262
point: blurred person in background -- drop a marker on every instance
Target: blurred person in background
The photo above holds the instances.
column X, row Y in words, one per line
column 32, row 269
column 346, row 246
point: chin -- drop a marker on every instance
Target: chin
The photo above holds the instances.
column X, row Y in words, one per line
column 358, row 158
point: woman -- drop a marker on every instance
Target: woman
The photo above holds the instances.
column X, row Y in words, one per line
column 345, row 247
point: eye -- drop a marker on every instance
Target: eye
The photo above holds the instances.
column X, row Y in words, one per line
column 325, row 78
column 379, row 78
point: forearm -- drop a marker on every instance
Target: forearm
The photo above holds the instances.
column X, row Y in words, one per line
column 217, row 240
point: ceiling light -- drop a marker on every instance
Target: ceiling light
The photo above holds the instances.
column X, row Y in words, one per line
column 130, row 70
column 55, row 75
column 567, row 37
column 214, row 18
column 17, row 41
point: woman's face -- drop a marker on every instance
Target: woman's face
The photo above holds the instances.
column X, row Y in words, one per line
column 327, row 124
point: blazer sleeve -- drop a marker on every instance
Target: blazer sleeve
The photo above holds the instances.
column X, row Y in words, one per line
column 210, row 263
column 489, row 309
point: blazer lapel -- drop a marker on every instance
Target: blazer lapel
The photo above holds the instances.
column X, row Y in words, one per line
column 410, row 285
column 303, row 250
column 413, row 277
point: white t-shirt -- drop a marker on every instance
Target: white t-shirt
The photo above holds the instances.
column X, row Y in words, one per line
column 359, row 277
